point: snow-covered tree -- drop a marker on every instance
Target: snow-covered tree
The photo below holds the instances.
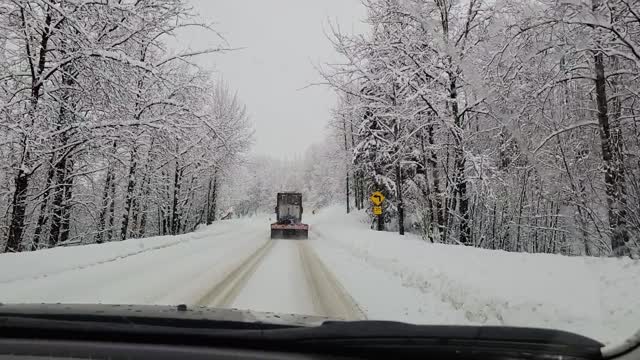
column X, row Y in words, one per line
column 106, row 133
column 507, row 121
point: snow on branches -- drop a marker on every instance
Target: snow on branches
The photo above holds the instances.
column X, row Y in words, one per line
column 106, row 133
column 507, row 125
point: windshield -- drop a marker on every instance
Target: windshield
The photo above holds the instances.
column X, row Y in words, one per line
column 459, row 162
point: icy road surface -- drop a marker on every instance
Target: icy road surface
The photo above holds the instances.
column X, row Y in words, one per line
column 344, row 270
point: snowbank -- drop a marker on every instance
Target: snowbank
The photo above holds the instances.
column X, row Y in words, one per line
column 408, row 279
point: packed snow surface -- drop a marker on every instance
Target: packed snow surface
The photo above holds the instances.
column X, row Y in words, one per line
column 390, row 277
column 279, row 284
column 157, row 270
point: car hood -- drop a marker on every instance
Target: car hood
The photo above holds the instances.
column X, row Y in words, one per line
column 180, row 312
column 201, row 326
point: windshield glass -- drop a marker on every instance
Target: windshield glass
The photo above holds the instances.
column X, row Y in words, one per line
column 459, row 162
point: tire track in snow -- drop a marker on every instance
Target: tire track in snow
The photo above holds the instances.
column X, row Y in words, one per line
column 180, row 276
column 330, row 298
column 224, row 292
column 289, row 269
column 116, row 258
column 279, row 285
column 143, row 279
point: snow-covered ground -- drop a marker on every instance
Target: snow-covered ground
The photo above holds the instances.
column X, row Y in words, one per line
column 157, row 270
column 405, row 278
column 387, row 276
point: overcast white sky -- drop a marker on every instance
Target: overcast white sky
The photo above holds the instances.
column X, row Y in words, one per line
column 282, row 41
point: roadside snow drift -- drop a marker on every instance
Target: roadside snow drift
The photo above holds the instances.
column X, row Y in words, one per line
column 405, row 278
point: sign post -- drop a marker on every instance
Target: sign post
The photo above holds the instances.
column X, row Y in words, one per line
column 377, row 198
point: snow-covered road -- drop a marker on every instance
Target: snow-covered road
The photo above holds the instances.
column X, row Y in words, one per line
column 236, row 266
column 344, row 270
column 140, row 273
column 284, row 276
column 279, row 283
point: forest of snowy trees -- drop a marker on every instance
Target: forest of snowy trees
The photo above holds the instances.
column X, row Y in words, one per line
column 500, row 124
column 105, row 132
column 506, row 125
column 317, row 173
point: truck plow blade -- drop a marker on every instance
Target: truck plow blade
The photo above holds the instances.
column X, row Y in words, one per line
column 297, row 231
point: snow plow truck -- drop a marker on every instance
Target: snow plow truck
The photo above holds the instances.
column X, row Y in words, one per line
column 289, row 217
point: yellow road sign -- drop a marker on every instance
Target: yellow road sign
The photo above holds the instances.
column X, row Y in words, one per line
column 377, row 198
column 377, row 210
